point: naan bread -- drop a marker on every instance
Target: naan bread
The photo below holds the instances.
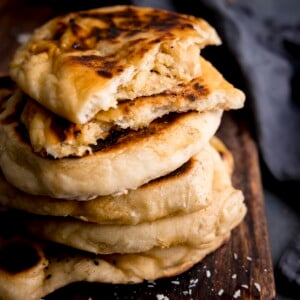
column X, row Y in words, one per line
column 183, row 191
column 83, row 62
column 125, row 160
column 195, row 228
column 31, row 269
column 52, row 135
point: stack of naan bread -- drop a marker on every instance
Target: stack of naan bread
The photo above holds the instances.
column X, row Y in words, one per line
column 107, row 151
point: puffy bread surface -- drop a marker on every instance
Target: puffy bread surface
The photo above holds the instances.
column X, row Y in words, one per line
column 199, row 227
column 125, row 160
column 183, row 191
column 84, row 62
column 52, row 135
column 56, row 266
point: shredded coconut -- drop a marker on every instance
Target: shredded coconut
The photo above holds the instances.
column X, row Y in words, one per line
column 245, row 286
column 175, row 282
column 237, row 294
column 234, row 276
column 23, row 37
column 249, row 258
column 257, row 285
column 208, row 274
column 161, row 297
column 235, row 256
column 193, row 282
column 220, row 293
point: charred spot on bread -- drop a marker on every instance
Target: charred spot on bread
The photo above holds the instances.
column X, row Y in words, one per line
column 121, row 137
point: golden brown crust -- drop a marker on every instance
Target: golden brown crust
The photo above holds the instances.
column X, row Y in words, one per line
column 80, row 63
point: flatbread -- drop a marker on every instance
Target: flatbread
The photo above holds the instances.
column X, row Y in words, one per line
column 125, row 160
column 31, row 269
column 195, row 228
column 185, row 190
column 52, row 135
column 83, row 62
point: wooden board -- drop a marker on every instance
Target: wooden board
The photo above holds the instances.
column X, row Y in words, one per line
column 242, row 266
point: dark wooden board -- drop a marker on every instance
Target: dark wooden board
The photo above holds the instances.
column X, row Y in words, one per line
column 243, row 263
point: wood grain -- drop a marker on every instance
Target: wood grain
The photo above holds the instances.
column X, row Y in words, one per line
column 242, row 264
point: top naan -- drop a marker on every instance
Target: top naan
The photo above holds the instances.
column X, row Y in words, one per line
column 84, row 62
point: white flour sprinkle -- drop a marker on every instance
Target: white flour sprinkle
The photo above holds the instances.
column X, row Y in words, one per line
column 208, row 274
column 193, row 282
column 237, row 294
column 161, row 297
column 220, row 293
column 257, row 285
column 233, row 276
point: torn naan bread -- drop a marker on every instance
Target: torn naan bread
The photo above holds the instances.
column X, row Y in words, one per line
column 52, row 135
column 87, row 61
